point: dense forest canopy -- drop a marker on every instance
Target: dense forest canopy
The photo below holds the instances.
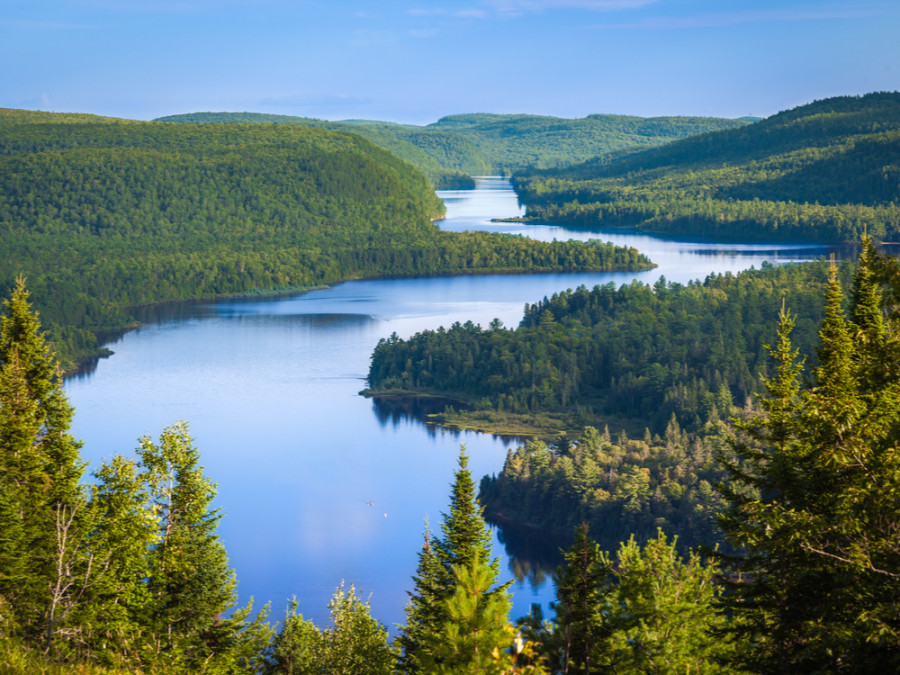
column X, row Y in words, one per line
column 458, row 146
column 100, row 214
column 825, row 171
column 631, row 357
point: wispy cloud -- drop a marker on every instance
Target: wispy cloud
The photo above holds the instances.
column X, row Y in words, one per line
column 515, row 7
column 424, row 33
column 719, row 19
column 465, row 13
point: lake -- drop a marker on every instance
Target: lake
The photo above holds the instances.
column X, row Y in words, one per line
column 270, row 388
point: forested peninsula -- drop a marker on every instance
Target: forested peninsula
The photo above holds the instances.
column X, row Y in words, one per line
column 824, row 171
column 457, row 147
column 102, row 214
column 631, row 357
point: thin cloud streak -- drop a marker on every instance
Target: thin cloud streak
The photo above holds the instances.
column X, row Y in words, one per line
column 719, row 20
column 516, row 7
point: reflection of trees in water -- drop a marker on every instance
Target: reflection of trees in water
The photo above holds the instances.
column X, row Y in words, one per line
column 533, row 555
column 394, row 410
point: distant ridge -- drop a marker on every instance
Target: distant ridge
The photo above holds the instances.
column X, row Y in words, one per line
column 458, row 146
column 825, row 170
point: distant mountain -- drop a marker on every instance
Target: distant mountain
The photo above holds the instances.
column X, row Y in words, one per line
column 826, row 170
column 464, row 145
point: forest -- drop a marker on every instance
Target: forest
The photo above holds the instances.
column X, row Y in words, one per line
column 457, row 147
column 630, row 357
column 126, row 572
column 825, row 171
column 102, row 214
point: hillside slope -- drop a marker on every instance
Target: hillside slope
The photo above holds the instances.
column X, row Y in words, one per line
column 464, row 145
column 101, row 214
column 826, row 171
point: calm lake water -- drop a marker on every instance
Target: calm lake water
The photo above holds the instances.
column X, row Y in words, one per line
column 270, row 389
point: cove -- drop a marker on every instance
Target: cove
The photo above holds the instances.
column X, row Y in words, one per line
column 270, row 389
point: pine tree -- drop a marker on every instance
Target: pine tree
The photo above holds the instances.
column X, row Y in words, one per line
column 581, row 588
column 425, row 611
column 813, row 498
column 190, row 582
column 40, row 470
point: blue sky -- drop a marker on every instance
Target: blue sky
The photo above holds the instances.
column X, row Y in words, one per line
column 415, row 61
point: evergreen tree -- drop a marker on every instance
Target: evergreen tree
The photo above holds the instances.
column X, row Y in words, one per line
column 464, row 533
column 813, row 497
column 190, row 582
column 476, row 633
column 40, row 499
column 662, row 612
column 581, row 589
column 356, row 643
column 458, row 614
column 424, row 612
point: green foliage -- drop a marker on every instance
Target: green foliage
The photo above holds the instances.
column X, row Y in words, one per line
column 474, row 637
column 102, row 214
column 632, row 356
column 458, row 146
column 824, row 171
column 43, row 569
column 581, row 624
column 812, row 498
column 424, row 612
column 662, row 614
column 458, row 615
column 621, row 487
column 355, row 644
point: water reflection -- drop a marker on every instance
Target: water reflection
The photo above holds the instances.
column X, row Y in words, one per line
column 533, row 556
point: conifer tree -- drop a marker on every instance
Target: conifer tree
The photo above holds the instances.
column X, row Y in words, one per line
column 190, row 582
column 581, row 588
column 813, row 498
column 40, row 469
column 458, row 613
column 424, row 612
column 475, row 635
column 662, row 613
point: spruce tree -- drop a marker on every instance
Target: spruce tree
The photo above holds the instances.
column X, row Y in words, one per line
column 813, row 498
column 458, row 613
column 581, row 589
column 190, row 583
column 40, row 470
column 425, row 611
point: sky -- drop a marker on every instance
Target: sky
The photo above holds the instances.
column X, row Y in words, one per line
column 415, row 61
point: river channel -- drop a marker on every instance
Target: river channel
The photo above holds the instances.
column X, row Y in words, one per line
column 316, row 483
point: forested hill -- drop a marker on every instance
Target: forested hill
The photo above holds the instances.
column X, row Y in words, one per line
column 100, row 214
column 458, row 146
column 824, row 171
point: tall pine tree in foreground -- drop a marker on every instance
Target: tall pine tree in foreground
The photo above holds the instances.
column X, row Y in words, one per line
column 581, row 623
column 457, row 619
column 43, row 567
column 813, row 498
